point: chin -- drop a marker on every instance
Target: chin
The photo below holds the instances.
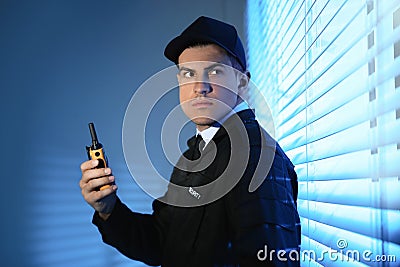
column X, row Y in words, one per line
column 203, row 121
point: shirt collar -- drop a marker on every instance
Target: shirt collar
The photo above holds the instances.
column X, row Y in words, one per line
column 208, row 133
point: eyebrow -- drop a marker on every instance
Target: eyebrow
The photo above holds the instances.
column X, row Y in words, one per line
column 184, row 68
column 215, row 65
column 207, row 69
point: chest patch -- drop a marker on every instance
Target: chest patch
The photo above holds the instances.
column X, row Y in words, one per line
column 194, row 193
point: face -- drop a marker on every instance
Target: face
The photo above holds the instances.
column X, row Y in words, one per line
column 208, row 86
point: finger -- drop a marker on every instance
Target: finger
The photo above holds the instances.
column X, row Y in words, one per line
column 94, row 174
column 96, row 196
column 95, row 184
column 90, row 164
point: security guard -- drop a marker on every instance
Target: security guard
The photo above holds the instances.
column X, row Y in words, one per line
column 240, row 209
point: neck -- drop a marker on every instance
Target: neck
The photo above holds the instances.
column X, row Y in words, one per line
column 202, row 127
column 239, row 100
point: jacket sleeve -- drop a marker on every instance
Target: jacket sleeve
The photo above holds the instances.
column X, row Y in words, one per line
column 265, row 222
column 137, row 236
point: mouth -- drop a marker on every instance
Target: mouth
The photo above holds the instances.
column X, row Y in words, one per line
column 201, row 104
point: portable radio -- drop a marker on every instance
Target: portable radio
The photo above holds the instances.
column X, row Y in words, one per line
column 96, row 151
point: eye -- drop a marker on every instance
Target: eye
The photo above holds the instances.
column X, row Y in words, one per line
column 187, row 74
column 215, row 72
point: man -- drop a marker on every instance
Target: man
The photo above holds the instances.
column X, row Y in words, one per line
column 237, row 210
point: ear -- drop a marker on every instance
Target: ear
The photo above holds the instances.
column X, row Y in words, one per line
column 243, row 80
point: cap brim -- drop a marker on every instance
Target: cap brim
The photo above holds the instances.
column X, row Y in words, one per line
column 177, row 45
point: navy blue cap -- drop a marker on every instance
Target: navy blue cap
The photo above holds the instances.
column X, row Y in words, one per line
column 210, row 30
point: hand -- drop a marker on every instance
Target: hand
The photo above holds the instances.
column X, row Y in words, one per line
column 92, row 179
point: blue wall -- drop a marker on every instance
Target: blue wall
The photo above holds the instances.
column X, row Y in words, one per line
column 62, row 65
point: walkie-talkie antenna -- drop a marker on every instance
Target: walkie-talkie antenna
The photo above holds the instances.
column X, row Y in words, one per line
column 95, row 141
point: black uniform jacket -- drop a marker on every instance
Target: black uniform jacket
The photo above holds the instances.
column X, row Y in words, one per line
column 243, row 219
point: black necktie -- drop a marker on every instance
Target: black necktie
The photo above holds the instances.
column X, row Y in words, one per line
column 197, row 147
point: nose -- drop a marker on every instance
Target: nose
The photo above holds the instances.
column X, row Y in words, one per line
column 202, row 88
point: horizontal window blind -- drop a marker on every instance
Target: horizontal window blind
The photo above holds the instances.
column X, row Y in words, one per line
column 330, row 70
